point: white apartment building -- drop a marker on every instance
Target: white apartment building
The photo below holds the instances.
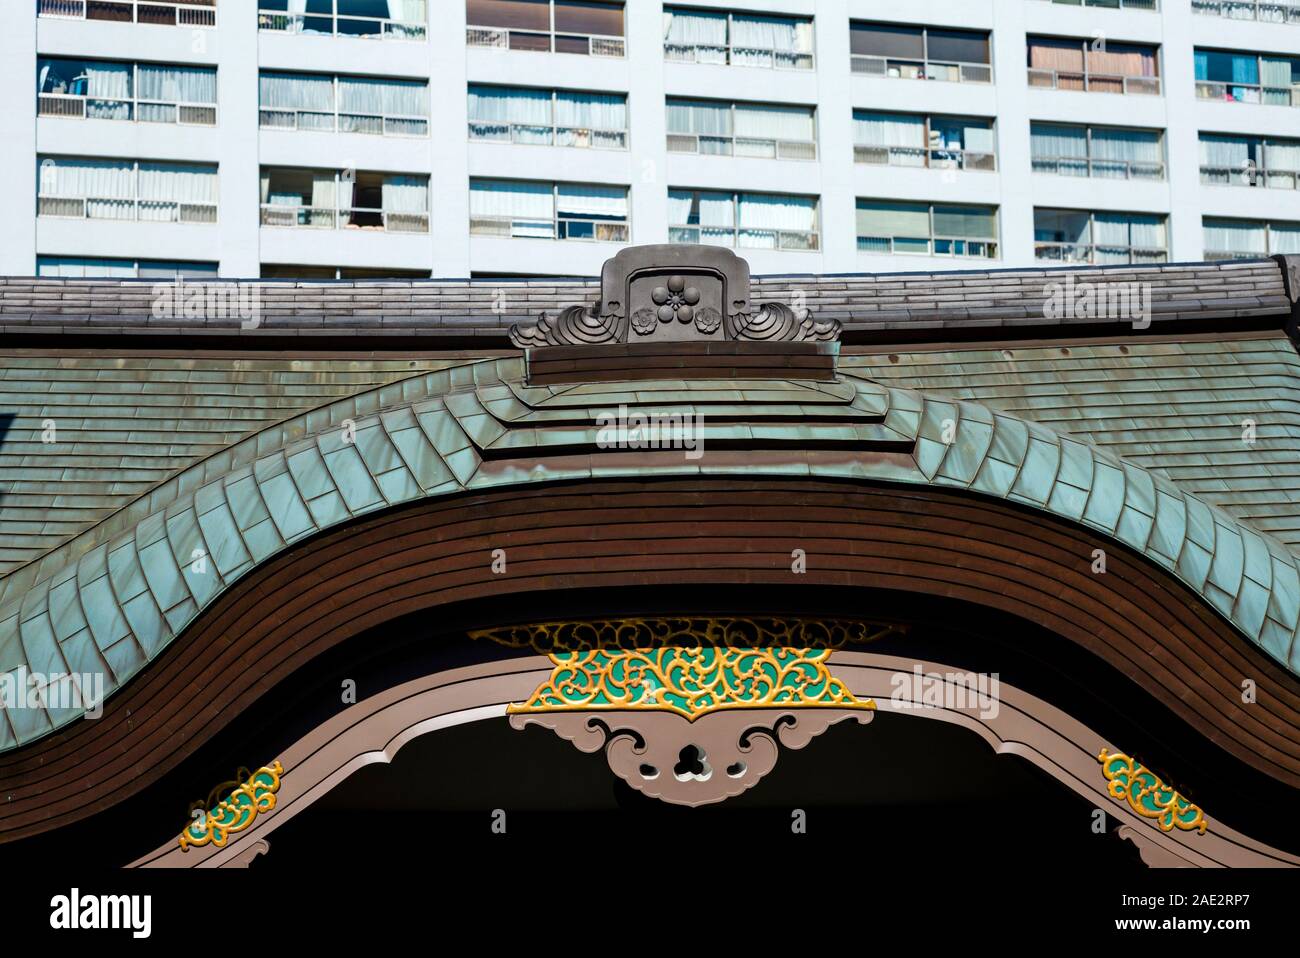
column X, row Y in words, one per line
column 454, row 138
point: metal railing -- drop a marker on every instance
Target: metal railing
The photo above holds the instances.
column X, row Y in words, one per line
column 326, row 217
column 772, row 59
column 1248, row 93
column 1113, row 4
column 924, row 157
column 566, row 228
column 342, row 25
column 957, row 246
column 1262, row 10
column 117, row 208
column 503, row 39
column 745, row 237
column 1250, row 176
column 539, row 135
column 182, row 14
column 949, row 71
column 314, row 120
column 1089, row 253
column 1103, row 169
column 742, row 146
column 69, row 105
column 1093, row 82
column 1221, row 254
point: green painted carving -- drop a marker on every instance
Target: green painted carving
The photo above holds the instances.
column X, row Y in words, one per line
column 113, row 597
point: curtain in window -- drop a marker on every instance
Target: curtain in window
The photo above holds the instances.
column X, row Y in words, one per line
column 965, row 222
column 80, row 267
column 164, row 185
column 529, row 206
column 296, row 91
column 1275, row 72
column 899, row 221
column 1224, row 151
column 591, row 111
column 1066, row 55
column 679, row 207
column 753, row 38
column 108, row 186
column 1284, row 237
column 373, row 97
column 1062, row 226
column 1234, row 236
column 492, row 110
column 1123, row 59
column 1048, row 141
column 761, row 214
column 405, row 194
column 413, row 12
column 1113, row 150
column 699, row 117
column 698, row 36
column 590, row 200
column 774, row 122
column 888, row 129
column 1282, row 154
column 177, row 84
column 324, row 190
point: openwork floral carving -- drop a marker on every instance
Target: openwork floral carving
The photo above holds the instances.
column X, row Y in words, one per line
column 237, row 811
column 1130, row 781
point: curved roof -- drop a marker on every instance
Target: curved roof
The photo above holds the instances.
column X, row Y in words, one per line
column 118, row 593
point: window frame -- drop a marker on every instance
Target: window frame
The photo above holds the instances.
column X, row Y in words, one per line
column 1215, row 256
column 1087, row 75
column 1206, row 89
column 814, row 236
column 733, row 138
column 284, row 21
column 859, row 63
column 928, row 152
column 336, row 112
column 598, row 44
column 993, row 245
column 1092, row 245
column 423, row 219
column 1089, row 160
column 136, row 200
column 134, row 100
column 185, row 13
column 811, row 56
column 555, row 128
column 556, row 219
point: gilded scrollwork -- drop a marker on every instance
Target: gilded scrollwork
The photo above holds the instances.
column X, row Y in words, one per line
column 252, row 797
column 1130, row 781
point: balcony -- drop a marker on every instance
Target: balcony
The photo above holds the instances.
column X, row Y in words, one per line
column 190, row 13
column 1094, row 82
column 312, row 121
column 67, row 105
column 503, row 39
column 954, row 246
column 345, row 20
column 1259, row 10
column 526, row 134
column 111, row 208
column 329, row 218
column 1104, row 169
column 588, row 229
column 1249, row 174
column 1247, row 93
column 1087, row 253
column 873, row 66
column 746, row 237
column 744, row 146
column 924, row 157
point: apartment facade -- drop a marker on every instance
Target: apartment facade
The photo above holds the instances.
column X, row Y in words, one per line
column 455, row 138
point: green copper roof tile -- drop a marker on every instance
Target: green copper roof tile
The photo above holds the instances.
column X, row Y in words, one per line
column 1038, row 472
column 1107, row 498
column 308, row 470
column 188, row 549
column 328, row 509
column 1252, row 604
column 1229, row 559
column 163, row 576
column 351, row 477
column 1170, row 526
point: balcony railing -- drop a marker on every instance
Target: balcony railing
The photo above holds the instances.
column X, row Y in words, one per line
column 1093, row 82
column 325, row 217
column 568, row 228
column 742, row 146
column 343, row 25
column 1113, row 4
column 70, row 105
column 958, row 246
column 113, row 208
column 131, row 11
column 1248, row 93
column 1221, row 254
column 1103, row 169
column 1250, row 176
column 585, row 44
column 762, row 57
column 525, row 133
column 745, row 237
column 1261, row 10
column 919, row 156
column 311, row 120
column 1097, row 252
column 921, row 69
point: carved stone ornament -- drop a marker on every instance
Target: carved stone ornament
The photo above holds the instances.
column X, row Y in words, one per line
column 674, row 293
column 665, row 756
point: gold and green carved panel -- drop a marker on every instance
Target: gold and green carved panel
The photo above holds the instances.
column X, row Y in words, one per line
column 253, row 795
column 1130, row 781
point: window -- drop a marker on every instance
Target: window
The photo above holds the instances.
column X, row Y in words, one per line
column 1108, row 152
column 310, row 101
column 737, row 39
column 752, row 220
column 83, row 188
column 147, row 92
column 1074, row 236
column 279, row 271
column 1249, row 239
column 1228, row 160
column 376, row 19
column 501, row 114
column 927, row 229
column 585, row 27
column 182, row 13
column 330, row 199
column 719, row 128
column 914, row 139
column 919, row 53
column 1093, row 66
column 1247, row 78
column 1267, row 11
column 566, row 211
column 1113, row 4
column 85, row 267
